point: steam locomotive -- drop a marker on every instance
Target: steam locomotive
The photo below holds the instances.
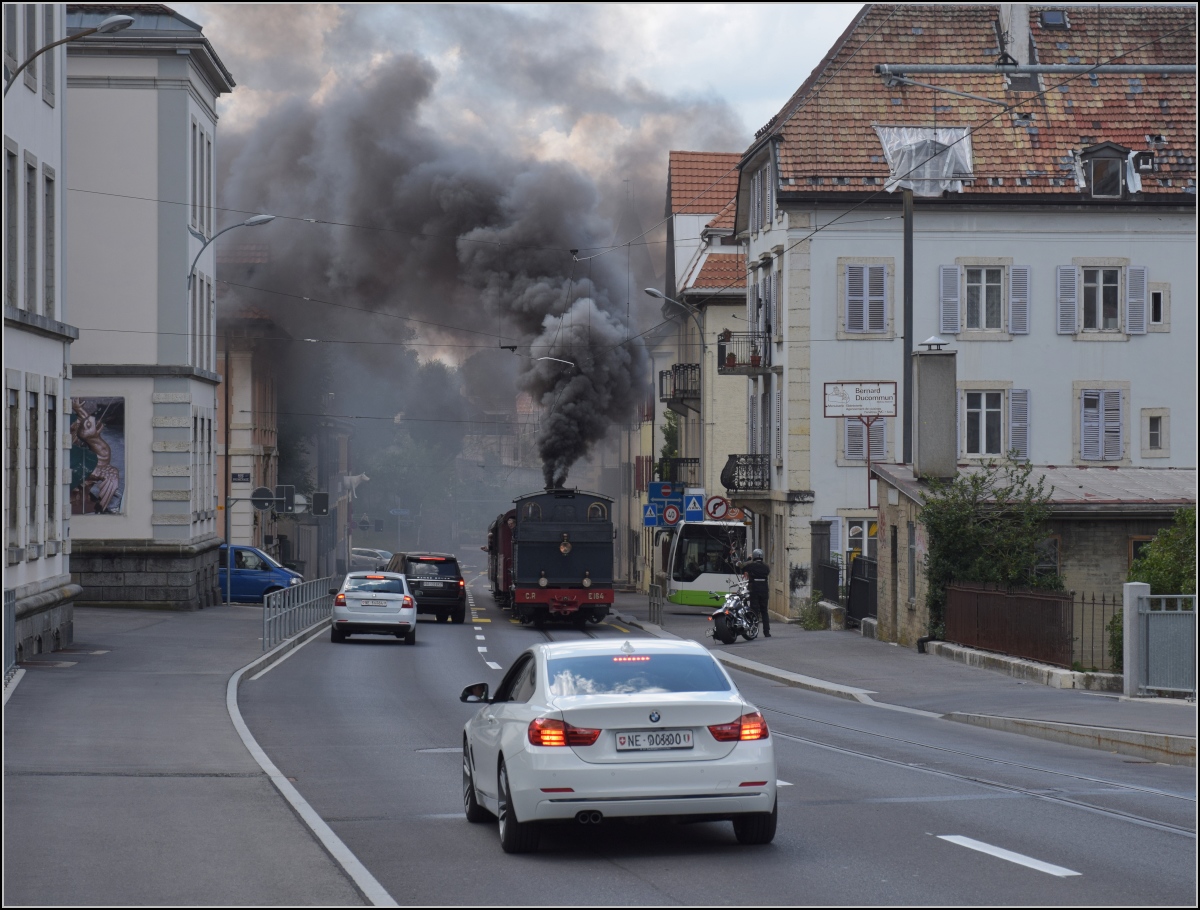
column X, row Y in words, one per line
column 551, row 557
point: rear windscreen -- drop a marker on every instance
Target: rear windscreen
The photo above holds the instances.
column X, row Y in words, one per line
column 375, row 585
column 444, row 568
column 633, row 674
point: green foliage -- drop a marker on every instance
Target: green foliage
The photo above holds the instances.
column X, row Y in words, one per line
column 1168, row 562
column 812, row 617
column 1116, row 641
column 670, row 446
column 985, row 526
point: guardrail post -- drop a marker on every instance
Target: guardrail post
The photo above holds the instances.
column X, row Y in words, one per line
column 1133, row 592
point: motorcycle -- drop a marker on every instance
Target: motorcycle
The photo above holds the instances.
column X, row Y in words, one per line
column 734, row 617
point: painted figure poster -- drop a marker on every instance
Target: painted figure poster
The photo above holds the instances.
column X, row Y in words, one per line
column 97, row 456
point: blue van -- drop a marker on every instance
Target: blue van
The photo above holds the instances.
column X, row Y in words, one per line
column 255, row 574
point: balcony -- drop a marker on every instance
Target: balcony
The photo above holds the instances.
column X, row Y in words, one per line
column 743, row 353
column 747, row 473
column 679, row 470
column 679, row 387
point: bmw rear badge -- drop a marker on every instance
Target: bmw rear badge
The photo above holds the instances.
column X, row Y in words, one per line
column 655, row 717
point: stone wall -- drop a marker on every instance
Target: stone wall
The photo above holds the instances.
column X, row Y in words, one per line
column 900, row 618
column 157, row 576
column 45, row 613
column 1093, row 555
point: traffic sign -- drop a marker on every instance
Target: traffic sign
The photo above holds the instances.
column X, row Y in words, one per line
column 364, row 524
column 301, row 502
column 400, row 513
column 650, row 516
column 693, row 508
column 661, row 490
column 263, row 498
column 717, row 508
column 671, row 514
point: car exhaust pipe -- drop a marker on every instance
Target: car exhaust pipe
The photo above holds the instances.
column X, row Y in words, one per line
column 589, row 818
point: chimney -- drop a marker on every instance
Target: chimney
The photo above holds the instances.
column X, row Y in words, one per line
column 935, row 398
column 1014, row 25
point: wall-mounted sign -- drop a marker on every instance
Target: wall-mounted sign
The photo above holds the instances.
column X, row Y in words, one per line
column 240, row 478
column 860, row 399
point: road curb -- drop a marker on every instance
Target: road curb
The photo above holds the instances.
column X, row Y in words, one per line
column 1020, row 668
column 1168, row 748
column 280, row 650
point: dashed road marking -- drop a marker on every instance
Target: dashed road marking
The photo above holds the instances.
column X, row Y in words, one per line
column 480, row 637
column 784, row 783
column 481, row 650
column 494, row 665
column 999, row 852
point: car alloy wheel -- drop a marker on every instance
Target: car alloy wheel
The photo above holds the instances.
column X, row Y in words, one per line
column 757, row 827
column 515, row 836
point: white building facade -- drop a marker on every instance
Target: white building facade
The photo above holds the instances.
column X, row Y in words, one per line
column 37, row 335
column 141, row 137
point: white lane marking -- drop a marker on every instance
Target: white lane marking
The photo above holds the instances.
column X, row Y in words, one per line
column 359, row 874
column 480, row 637
column 494, row 665
column 267, row 669
column 481, row 650
column 1019, row 859
column 479, row 628
column 784, row 783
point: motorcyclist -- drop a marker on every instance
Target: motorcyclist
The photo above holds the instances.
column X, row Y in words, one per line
column 756, row 573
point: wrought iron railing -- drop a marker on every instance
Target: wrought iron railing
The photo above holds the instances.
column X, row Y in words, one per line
column 294, row 609
column 679, row 470
column 681, row 381
column 747, row 473
column 743, row 353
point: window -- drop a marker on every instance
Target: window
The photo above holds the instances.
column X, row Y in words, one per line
column 31, row 458
column 1101, row 437
column 597, row 512
column 1137, row 546
column 984, row 298
column 48, row 241
column 48, row 75
column 1156, row 432
column 912, row 563
column 10, row 223
column 531, row 512
column 1104, row 177
column 31, row 235
column 861, row 537
column 206, row 200
column 866, row 298
column 14, row 459
column 1156, row 307
column 984, row 421
column 10, row 36
column 1101, row 299
column 52, row 479
column 31, row 43
column 195, row 171
column 855, row 434
column 1047, row 557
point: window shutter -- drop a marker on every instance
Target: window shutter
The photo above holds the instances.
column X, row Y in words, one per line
column 765, row 313
column 1068, row 299
column 835, row 533
column 957, row 427
column 776, row 328
column 751, row 304
column 878, row 438
column 1018, row 423
column 753, row 405
column 769, row 215
column 1135, row 300
column 1113, row 426
column 1090, row 430
column 876, row 298
column 948, row 282
column 1018, row 300
column 856, row 443
column 779, row 423
column 856, row 298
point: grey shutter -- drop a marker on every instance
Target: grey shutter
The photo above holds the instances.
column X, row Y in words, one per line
column 957, row 427
column 856, row 298
column 753, row 421
column 1068, row 299
column 1018, row 300
column 876, row 298
column 948, row 285
column 1018, row 423
column 856, row 439
column 835, row 533
column 1135, row 300
column 765, row 313
column 779, row 423
column 776, row 328
column 878, row 438
column 1114, row 442
column 1089, row 446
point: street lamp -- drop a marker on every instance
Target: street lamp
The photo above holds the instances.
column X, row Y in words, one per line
column 249, row 222
column 107, row 27
column 668, row 313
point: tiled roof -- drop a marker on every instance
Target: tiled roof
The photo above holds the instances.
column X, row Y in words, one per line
column 721, row 271
column 700, row 182
column 829, row 145
column 725, row 220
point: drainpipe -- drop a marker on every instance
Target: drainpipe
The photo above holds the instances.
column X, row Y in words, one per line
column 908, row 322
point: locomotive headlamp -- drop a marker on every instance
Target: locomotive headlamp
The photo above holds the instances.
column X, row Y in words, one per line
column 587, row 578
column 565, row 547
column 543, row 581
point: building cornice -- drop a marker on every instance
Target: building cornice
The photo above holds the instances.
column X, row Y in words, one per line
column 40, row 325
column 144, row 369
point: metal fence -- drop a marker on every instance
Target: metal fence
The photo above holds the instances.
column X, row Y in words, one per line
column 10, row 632
column 1036, row 625
column 827, row 578
column 656, row 604
column 1167, row 636
column 863, row 595
column 1090, row 631
column 291, row 610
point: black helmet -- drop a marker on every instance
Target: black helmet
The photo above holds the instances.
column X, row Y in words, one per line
column 757, row 554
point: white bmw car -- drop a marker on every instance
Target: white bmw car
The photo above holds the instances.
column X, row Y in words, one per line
column 594, row 730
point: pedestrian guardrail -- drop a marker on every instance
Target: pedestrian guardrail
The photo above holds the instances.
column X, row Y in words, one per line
column 10, row 632
column 1167, row 635
column 291, row 610
column 656, row 604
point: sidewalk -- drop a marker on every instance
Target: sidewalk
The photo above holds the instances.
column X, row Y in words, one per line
column 122, row 768
column 847, row 665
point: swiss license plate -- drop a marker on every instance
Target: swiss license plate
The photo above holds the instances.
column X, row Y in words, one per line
column 374, row 603
column 644, row 740
column 433, row 584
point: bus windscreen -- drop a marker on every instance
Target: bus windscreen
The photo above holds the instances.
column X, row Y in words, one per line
column 706, row 550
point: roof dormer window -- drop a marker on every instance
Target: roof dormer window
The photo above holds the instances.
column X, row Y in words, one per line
column 1104, row 171
column 1055, row 19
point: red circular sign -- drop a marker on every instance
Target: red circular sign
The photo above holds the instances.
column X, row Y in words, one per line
column 671, row 514
column 717, row 508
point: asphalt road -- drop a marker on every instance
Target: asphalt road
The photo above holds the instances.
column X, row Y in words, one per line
column 876, row 807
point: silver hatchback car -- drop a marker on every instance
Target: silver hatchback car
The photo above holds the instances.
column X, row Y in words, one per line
column 374, row 603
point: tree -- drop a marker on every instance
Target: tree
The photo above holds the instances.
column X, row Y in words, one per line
column 985, row 526
column 1168, row 562
column 670, row 446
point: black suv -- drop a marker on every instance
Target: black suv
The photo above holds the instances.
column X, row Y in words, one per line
column 436, row 582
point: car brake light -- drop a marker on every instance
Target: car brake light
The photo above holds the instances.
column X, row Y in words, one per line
column 747, row 727
column 340, row 600
column 377, row 577
column 547, row 731
column 408, row 601
column 461, row 583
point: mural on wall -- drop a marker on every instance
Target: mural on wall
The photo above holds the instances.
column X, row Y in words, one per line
column 97, row 456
